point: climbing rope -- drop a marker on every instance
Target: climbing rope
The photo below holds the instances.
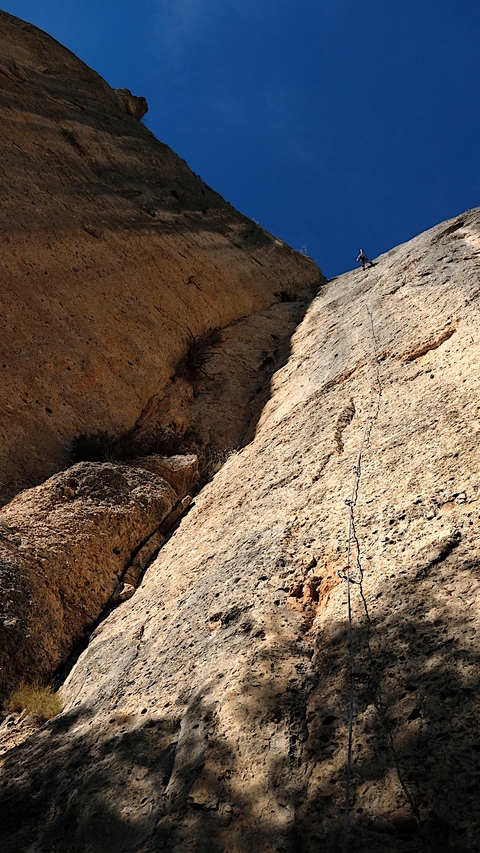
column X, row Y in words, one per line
column 351, row 502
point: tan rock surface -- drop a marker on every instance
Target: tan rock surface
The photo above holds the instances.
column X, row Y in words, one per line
column 215, row 409
column 210, row 711
column 65, row 547
column 113, row 254
column 180, row 472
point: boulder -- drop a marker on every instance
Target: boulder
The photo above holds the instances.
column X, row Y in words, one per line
column 64, row 549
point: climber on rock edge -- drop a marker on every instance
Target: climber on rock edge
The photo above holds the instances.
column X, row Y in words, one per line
column 363, row 260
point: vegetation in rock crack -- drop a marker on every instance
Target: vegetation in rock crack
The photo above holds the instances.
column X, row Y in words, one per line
column 285, row 296
column 192, row 364
column 101, row 446
column 34, row 699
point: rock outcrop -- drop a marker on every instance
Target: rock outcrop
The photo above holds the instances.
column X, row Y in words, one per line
column 211, row 710
column 115, row 257
column 74, row 545
column 180, row 472
column 132, row 104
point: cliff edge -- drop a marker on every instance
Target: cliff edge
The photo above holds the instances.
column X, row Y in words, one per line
column 117, row 262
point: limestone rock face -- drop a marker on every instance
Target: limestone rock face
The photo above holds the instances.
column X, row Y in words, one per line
column 65, row 547
column 114, row 256
column 210, row 712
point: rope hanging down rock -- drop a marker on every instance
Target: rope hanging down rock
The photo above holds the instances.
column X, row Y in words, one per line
column 373, row 410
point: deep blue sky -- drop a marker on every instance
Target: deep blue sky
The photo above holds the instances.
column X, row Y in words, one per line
column 333, row 123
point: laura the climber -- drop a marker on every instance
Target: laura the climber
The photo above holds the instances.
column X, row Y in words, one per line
column 363, row 260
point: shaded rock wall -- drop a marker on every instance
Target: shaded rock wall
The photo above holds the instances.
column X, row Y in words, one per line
column 113, row 254
column 210, row 711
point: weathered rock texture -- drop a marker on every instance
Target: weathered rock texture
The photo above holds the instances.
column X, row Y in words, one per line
column 213, row 406
column 132, row 105
column 68, row 546
column 180, row 472
column 210, row 711
column 114, row 255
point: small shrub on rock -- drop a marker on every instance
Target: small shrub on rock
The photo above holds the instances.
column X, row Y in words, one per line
column 103, row 447
column 34, row 699
column 193, row 362
column 94, row 447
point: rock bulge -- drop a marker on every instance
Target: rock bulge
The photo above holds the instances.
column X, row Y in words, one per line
column 67, row 547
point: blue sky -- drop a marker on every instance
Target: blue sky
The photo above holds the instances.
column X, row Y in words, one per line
column 334, row 124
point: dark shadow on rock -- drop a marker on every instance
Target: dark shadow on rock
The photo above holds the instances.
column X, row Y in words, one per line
column 416, row 750
column 148, row 782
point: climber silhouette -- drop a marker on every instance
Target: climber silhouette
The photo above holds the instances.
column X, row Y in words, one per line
column 363, row 260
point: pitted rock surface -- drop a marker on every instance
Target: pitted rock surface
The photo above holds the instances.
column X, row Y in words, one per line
column 210, row 711
column 64, row 549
